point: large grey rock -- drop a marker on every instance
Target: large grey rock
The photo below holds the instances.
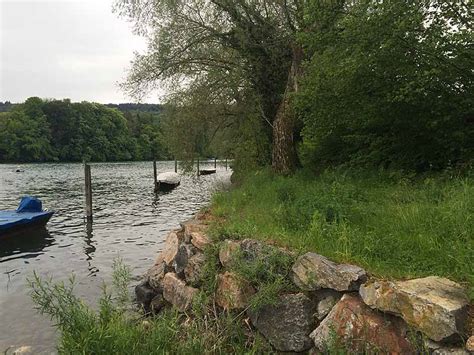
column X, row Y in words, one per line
column 434, row 305
column 252, row 249
column 177, row 293
column 227, row 252
column 312, row 272
column 155, row 275
column 193, row 269
column 287, row 324
column 185, row 251
column 170, row 250
column 233, row 292
column 355, row 326
column 435, row 348
column 200, row 240
column 247, row 250
column 157, row 303
column 191, row 226
column 144, row 293
column 325, row 300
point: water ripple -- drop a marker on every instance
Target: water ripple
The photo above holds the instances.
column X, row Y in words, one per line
column 130, row 222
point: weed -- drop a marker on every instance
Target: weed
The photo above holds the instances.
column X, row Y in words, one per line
column 267, row 268
column 110, row 330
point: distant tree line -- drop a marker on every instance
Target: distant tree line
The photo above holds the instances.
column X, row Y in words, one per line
column 123, row 107
column 60, row 130
column 312, row 83
column 137, row 107
column 6, row 106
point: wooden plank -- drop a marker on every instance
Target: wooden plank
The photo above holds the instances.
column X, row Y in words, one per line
column 88, row 190
column 155, row 180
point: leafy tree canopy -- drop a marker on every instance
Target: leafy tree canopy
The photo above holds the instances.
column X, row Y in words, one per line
column 59, row 130
column 244, row 48
column 389, row 83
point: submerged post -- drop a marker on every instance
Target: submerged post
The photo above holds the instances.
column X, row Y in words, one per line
column 215, row 163
column 225, row 163
column 198, row 166
column 88, row 190
column 175, row 166
column 155, row 178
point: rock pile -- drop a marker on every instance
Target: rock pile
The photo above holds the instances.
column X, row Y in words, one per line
column 330, row 305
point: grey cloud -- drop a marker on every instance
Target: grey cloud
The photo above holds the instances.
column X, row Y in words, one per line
column 57, row 49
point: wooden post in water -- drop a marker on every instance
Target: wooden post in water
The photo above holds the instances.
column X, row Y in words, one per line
column 198, row 166
column 175, row 165
column 215, row 163
column 88, row 190
column 155, row 178
column 225, row 163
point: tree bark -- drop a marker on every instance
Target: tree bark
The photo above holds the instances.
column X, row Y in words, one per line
column 284, row 157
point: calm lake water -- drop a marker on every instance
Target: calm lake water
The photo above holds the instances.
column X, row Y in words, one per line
column 130, row 222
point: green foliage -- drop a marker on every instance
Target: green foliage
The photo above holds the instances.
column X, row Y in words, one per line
column 334, row 346
column 114, row 329
column 58, row 130
column 121, row 279
column 389, row 83
column 148, row 138
column 25, row 138
column 216, row 116
column 6, row 106
column 267, row 270
column 384, row 84
column 225, row 65
column 251, row 147
column 390, row 223
column 265, row 267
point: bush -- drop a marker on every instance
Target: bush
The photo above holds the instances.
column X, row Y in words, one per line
column 115, row 328
column 389, row 84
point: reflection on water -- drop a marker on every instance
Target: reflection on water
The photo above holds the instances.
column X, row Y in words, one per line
column 89, row 247
column 27, row 245
column 130, row 222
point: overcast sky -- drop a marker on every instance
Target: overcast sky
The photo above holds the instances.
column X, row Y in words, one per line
column 75, row 49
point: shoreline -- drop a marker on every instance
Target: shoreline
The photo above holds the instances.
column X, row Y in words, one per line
column 243, row 275
column 382, row 314
column 129, row 221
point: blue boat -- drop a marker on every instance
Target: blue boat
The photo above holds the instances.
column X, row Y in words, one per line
column 28, row 215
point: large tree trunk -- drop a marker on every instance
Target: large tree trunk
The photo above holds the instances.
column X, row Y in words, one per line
column 284, row 157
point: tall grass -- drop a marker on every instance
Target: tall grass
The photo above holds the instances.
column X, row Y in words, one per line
column 116, row 328
column 392, row 224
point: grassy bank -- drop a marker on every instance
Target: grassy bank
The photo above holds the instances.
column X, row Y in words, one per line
column 391, row 224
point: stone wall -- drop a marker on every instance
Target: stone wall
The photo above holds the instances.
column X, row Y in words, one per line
column 331, row 303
